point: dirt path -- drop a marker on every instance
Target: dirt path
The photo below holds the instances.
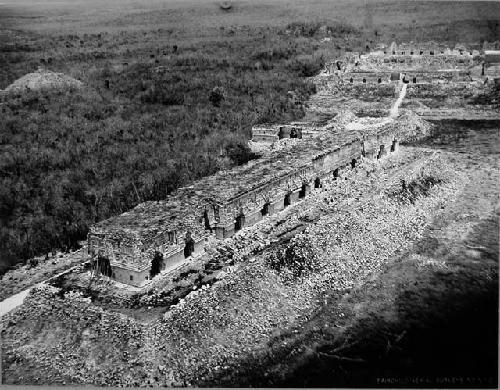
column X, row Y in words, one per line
column 395, row 109
column 12, row 302
column 25, row 277
column 17, row 300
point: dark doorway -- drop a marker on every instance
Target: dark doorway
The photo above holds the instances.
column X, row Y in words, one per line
column 103, row 266
column 414, row 80
column 411, row 53
column 156, row 264
column 317, row 183
column 207, row 221
column 364, row 80
column 265, row 209
column 353, row 163
column 336, row 173
column 294, row 133
column 287, row 201
column 281, row 133
column 379, row 80
column 381, row 151
column 431, row 53
column 189, row 245
column 421, row 52
column 351, row 80
column 303, row 191
column 393, row 146
column 239, row 223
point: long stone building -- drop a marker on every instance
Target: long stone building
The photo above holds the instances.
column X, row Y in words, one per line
column 128, row 246
column 135, row 246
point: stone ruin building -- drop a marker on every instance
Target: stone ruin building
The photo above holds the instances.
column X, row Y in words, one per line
column 160, row 236
column 409, row 63
column 134, row 246
column 387, row 68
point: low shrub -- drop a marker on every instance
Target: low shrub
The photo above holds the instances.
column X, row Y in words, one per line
column 418, row 187
column 298, row 258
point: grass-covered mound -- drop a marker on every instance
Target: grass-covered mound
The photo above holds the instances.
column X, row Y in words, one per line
column 43, row 81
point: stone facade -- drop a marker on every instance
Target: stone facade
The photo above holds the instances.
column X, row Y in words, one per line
column 155, row 236
column 385, row 69
column 425, row 63
column 220, row 205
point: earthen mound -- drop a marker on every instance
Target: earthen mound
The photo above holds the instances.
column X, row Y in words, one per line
column 411, row 126
column 343, row 118
column 42, row 81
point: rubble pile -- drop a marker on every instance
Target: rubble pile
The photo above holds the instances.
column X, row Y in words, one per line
column 70, row 344
column 284, row 144
column 359, row 228
column 412, row 126
column 258, row 147
column 343, row 118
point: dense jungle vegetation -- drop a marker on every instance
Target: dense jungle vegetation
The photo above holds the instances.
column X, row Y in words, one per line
column 155, row 113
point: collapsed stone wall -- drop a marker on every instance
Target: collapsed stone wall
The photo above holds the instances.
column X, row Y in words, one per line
column 413, row 61
column 369, row 92
column 437, row 91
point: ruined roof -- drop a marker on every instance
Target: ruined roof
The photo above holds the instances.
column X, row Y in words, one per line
column 183, row 210
column 149, row 219
column 226, row 185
